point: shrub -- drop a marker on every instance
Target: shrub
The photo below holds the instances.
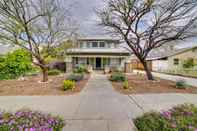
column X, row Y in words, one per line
column 54, row 72
column 180, row 118
column 15, row 64
column 189, row 63
column 80, row 69
column 68, row 84
column 117, row 76
column 27, row 120
column 58, row 65
column 181, row 84
column 126, row 84
column 75, row 77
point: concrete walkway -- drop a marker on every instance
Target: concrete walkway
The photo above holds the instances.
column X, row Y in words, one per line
column 98, row 107
column 188, row 80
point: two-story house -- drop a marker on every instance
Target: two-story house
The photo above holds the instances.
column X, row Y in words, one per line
column 97, row 53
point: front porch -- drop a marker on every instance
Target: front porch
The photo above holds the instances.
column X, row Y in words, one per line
column 98, row 63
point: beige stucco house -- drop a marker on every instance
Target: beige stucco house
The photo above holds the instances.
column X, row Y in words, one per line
column 169, row 61
column 98, row 53
column 174, row 60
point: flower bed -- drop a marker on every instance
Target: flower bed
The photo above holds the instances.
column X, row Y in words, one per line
column 27, row 120
column 180, row 118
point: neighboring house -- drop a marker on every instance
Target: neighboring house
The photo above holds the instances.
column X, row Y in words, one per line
column 173, row 60
column 97, row 53
column 170, row 61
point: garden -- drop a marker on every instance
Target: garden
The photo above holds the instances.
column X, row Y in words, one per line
column 179, row 118
column 28, row 120
column 139, row 84
column 18, row 76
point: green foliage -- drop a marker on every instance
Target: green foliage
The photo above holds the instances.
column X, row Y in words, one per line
column 126, row 84
column 50, row 59
column 68, row 85
column 180, row 118
column 80, row 69
column 75, row 77
column 188, row 63
column 118, row 77
column 58, row 52
column 54, row 72
column 181, row 84
column 15, row 64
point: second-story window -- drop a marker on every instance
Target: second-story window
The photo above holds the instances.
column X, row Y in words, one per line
column 81, row 45
column 88, row 44
column 94, row 44
column 102, row 44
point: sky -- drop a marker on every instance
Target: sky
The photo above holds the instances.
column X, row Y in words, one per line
column 83, row 11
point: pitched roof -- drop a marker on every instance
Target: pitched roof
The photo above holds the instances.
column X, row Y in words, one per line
column 155, row 55
column 104, row 50
column 98, row 38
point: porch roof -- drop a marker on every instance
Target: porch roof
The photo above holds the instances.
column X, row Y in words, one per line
column 98, row 51
column 100, row 56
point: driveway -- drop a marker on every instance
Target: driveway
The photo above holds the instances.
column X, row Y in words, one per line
column 98, row 107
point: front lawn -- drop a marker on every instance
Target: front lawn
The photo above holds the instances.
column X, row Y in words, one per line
column 27, row 120
column 180, row 118
column 31, row 86
column 138, row 84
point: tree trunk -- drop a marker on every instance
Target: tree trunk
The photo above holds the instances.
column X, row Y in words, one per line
column 147, row 70
column 45, row 74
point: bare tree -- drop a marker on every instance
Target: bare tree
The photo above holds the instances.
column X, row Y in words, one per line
column 148, row 24
column 34, row 24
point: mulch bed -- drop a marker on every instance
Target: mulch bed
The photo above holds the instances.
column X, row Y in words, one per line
column 140, row 85
column 32, row 87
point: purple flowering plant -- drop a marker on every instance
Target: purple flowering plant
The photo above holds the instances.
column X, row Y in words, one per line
column 27, row 120
column 180, row 118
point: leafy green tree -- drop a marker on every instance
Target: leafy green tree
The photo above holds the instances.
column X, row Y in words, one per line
column 32, row 24
column 57, row 53
column 15, row 64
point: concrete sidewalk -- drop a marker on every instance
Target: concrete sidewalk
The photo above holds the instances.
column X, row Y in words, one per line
column 188, row 80
column 98, row 107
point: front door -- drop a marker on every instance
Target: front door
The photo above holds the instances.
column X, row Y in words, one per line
column 98, row 63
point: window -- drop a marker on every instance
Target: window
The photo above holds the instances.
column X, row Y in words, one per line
column 94, row 44
column 88, row 61
column 102, row 44
column 81, row 45
column 176, row 61
column 76, row 60
column 88, row 44
column 106, row 62
column 120, row 61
